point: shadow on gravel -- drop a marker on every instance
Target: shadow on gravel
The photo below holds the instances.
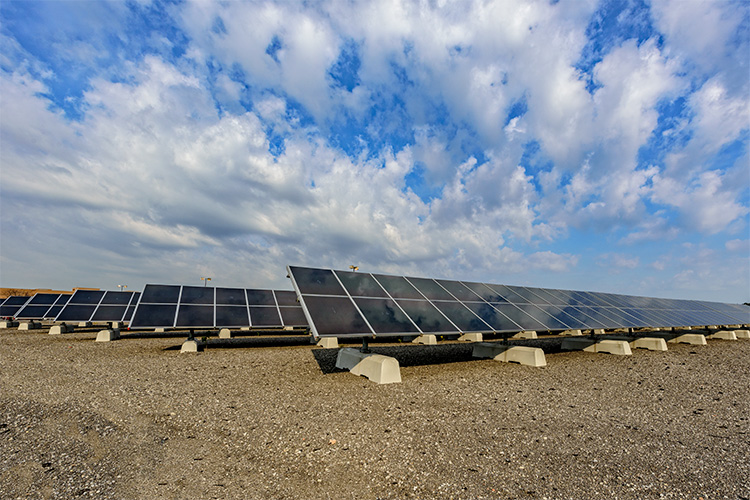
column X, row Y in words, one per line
column 419, row 355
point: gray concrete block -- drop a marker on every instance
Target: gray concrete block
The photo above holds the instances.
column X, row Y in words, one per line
column 225, row 333
column 742, row 334
column 470, row 337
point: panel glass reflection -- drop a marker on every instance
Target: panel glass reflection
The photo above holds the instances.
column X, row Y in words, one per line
column 398, row 287
column 498, row 321
column 519, row 316
column 360, row 284
column 384, row 316
column 33, row 312
column 430, row 289
column 462, row 317
column 316, row 281
column 458, row 290
column 485, row 292
column 427, row 317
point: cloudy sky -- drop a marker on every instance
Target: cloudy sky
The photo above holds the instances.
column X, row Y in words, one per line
column 573, row 144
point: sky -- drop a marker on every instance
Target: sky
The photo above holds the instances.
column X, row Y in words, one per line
column 588, row 145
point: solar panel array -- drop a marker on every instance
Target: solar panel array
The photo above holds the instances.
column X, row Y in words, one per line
column 98, row 306
column 181, row 306
column 10, row 306
column 351, row 304
column 43, row 306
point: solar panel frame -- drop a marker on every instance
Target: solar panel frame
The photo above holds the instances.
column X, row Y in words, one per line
column 347, row 304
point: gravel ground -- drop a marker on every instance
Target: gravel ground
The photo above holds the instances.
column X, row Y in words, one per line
column 272, row 418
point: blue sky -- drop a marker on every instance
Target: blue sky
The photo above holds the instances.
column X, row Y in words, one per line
column 580, row 145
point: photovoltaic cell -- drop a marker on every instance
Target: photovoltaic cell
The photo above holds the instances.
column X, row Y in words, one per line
column 182, row 306
column 345, row 303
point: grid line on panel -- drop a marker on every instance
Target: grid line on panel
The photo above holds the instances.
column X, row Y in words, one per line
column 432, row 304
column 397, row 304
column 372, row 330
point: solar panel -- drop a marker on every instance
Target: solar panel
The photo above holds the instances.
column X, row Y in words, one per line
column 98, row 306
column 182, row 306
column 12, row 305
column 42, row 306
column 351, row 304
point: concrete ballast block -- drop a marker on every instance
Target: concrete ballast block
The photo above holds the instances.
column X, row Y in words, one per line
column 742, row 334
column 108, row 335
column 425, row 340
column 572, row 333
column 526, row 334
column 650, row 343
column 29, row 325
column 84, row 324
column 189, row 346
column 225, row 333
column 723, row 335
column 688, row 338
column 328, row 343
column 619, row 347
column 8, row 324
column 471, row 337
column 530, row 356
column 58, row 329
column 376, row 367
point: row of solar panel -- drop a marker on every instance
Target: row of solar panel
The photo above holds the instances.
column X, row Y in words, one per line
column 165, row 306
column 343, row 303
column 83, row 305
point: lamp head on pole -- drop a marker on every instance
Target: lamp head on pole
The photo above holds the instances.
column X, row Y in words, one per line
column 354, row 268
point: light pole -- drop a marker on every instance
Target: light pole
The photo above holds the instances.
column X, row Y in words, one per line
column 205, row 280
column 354, row 268
column 122, row 287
